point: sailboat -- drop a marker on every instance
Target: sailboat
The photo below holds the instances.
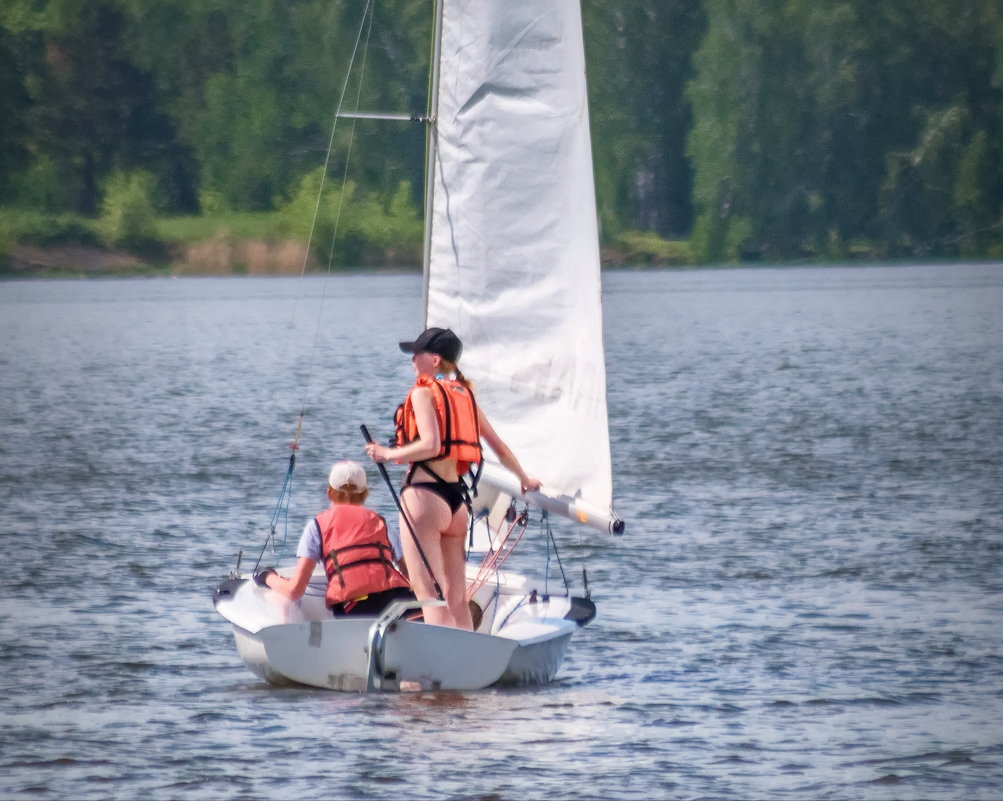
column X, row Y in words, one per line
column 512, row 266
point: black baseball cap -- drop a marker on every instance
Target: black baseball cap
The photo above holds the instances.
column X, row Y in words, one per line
column 441, row 341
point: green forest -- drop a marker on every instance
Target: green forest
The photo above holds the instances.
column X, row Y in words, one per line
column 722, row 131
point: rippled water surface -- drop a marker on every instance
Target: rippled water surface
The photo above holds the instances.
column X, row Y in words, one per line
column 808, row 602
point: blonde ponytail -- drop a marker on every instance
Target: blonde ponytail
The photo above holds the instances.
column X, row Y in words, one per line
column 453, row 368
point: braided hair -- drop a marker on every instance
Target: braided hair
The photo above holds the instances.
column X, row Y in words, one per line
column 453, row 368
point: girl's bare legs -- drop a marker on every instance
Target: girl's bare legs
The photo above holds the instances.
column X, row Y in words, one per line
column 454, row 580
column 436, row 529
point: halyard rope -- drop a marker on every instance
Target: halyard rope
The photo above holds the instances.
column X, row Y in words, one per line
column 281, row 511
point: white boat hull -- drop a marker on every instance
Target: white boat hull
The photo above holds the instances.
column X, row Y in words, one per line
column 521, row 639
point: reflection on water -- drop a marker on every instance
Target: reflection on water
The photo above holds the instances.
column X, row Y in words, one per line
column 807, row 602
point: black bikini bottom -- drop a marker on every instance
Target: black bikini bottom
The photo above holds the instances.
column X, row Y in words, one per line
column 453, row 493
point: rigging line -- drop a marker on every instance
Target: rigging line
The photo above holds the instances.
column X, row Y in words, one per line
column 366, row 25
column 348, row 153
column 496, row 557
column 334, row 127
column 281, row 511
column 545, row 521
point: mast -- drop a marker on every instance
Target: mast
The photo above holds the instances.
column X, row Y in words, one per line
column 431, row 143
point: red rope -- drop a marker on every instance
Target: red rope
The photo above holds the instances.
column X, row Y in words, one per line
column 495, row 558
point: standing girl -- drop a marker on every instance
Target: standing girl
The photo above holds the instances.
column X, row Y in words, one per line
column 439, row 432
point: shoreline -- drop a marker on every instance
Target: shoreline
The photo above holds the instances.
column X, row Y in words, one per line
column 255, row 258
column 245, row 258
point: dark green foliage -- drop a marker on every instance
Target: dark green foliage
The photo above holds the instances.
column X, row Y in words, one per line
column 92, row 110
column 14, row 137
column 758, row 130
column 359, row 226
column 128, row 219
column 639, row 59
column 38, row 228
column 817, row 126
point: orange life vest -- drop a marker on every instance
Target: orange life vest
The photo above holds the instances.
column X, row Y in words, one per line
column 456, row 411
column 357, row 555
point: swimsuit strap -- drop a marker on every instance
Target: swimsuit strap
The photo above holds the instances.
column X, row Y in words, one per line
column 458, row 486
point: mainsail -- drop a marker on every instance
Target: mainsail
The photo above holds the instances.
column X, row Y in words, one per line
column 513, row 254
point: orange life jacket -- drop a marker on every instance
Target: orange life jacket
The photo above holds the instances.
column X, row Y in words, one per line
column 456, row 411
column 357, row 555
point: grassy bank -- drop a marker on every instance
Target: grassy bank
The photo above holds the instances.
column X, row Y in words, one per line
column 33, row 243
column 244, row 243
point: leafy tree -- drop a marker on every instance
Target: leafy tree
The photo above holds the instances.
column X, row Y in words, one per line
column 717, row 92
column 92, row 109
column 344, row 221
column 639, row 57
column 942, row 191
column 390, row 74
column 819, row 125
column 14, row 153
column 127, row 218
column 255, row 94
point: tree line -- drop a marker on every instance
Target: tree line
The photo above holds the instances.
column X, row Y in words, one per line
column 761, row 129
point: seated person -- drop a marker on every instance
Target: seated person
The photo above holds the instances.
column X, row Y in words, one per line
column 362, row 576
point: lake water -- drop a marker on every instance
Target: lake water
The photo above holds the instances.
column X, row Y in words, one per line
column 808, row 602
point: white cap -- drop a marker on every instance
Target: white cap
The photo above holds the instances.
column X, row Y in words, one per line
column 347, row 473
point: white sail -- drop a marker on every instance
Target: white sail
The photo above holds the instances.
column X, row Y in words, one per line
column 513, row 248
